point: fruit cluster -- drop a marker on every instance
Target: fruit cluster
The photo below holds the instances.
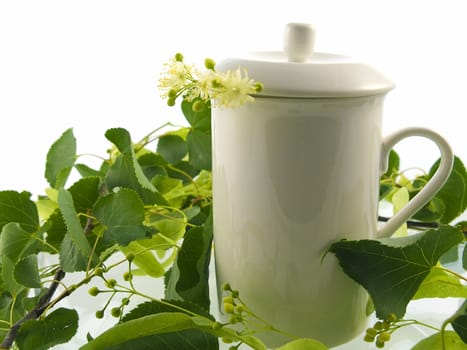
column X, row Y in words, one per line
column 381, row 331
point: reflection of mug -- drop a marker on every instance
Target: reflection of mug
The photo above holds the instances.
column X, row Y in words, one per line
column 290, row 176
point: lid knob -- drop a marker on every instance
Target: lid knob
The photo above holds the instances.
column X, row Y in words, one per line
column 299, row 41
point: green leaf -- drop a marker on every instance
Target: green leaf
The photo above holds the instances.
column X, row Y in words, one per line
column 188, row 279
column 121, row 138
column 454, row 193
column 393, row 164
column 60, row 159
column 144, row 259
column 57, row 229
column 181, row 340
column 165, row 184
column 156, row 307
column 199, row 149
column 200, row 120
column 387, row 182
column 74, row 228
column 184, row 171
column 7, row 277
column 12, row 308
column 172, row 147
column 170, row 223
column 86, row 171
column 13, row 240
column 303, row 344
column 152, row 164
column 399, row 200
column 433, row 211
column 18, row 207
column 163, row 323
column 188, row 339
column 460, row 322
column 141, row 327
column 122, row 212
column 71, row 258
column 27, row 272
column 441, row 284
column 393, row 273
column 57, row 328
column 452, row 255
column 121, row 174
column 85, row 192
column 433, row 342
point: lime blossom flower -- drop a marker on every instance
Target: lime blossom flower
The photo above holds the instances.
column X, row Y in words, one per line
column 227, row 89
column 175, row 76
column 234, row 88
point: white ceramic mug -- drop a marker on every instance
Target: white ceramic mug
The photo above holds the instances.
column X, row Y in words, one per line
column 296, row 170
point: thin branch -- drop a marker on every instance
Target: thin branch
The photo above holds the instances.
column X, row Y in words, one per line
column 421, row 225
column 413, row 224
column 41, row 306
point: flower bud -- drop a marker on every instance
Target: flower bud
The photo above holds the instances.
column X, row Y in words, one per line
column 229, row 308
column 392, row 317
column 93, row 291
column 227, row 300
column 259, row 87
column 209, row 63
column 171, row 102
column 216, row 84
column 127, row 276
column 216, row 325
column 197, row 106
column 115, row 312
column 178, row 57
column 172, row 93
column 111, row 283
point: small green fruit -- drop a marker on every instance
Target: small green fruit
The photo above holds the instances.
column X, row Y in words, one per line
column 93, row 291
column 115, row 312
column 379, row 344
column 111, row 283
column 229, row 308
column 384, row 336
column 216, row 325
column 127, row 276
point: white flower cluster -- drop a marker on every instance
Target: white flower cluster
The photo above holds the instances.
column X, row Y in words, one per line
column 230, row 89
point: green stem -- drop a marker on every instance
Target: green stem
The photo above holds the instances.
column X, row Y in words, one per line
column 411, row 322
column 267, row 326
column 91, row 155
column 147, row 139
column 452, row 273
column 160, row 301
column 443, row 330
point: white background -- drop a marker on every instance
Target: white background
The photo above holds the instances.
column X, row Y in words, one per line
column 92, row 65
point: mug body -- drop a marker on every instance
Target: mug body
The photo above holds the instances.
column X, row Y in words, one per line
column 291, row 176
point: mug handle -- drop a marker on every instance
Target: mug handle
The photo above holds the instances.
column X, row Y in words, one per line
column 431, row 188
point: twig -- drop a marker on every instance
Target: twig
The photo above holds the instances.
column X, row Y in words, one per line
column 413, row 224
column 41, row 306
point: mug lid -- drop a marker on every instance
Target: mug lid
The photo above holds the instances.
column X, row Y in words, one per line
column 300, row 72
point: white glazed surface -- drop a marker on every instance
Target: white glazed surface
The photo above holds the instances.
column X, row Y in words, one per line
column 291, row 176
